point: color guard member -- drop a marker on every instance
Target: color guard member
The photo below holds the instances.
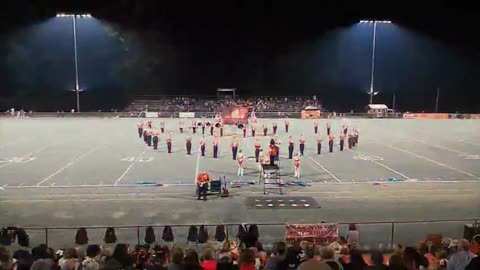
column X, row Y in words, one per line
column 240, row 161
column 328, row 128
column 253, row 130
column 296, row 165
column 274, row 127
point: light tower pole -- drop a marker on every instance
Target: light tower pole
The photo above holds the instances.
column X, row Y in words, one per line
column 74, row 20
column 374, row 22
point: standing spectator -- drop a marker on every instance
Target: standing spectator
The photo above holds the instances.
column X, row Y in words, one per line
column 353, row 236
column 39, row 265
column 462, row 257
column 191, row 261
column 396, row 263
column 474, row 264
column 177, row 259
column 121, row 259
column 414, row 260
column 208, row 262
column 356, row 262
column 327, row 255
column 377, row 261
column 475, row 248
column 69, row 261
column 247, row 260
column 6, row 262
column 91, row 262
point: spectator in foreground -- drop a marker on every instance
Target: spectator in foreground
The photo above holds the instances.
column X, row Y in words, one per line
column 462, row 257
column 191, row 261
column 475, row 248
column 474, row 264
column 40, row 264
column 91, row 262
column 414, row 260
column 353, row 236
column 327, row 255
column 377, row 261
column 356, row 261
column 208, row 262
column 69, row 261
column 177, row 259
column 121, row 259
column 6, row 262
column 225, row 257
column 247, row 260
column 396, row 263
column 278, row 256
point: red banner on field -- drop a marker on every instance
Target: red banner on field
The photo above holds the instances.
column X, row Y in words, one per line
column 320, row 234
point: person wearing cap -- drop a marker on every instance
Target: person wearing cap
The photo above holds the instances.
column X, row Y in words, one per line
column 265, row 130
column 319, row 145
column 342, row 141
column 162, row 126
column 202, row 145
column 463, row 256
column 257, row 150
column 315, row 126
column 169, row 143
column 302, row 144
column 140, row 129
column 188, row 144
column 234, row 148
column 215, row 147
column 155, row 139
column 290, row 147
column 330, row 143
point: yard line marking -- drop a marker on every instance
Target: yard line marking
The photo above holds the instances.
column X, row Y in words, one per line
column 29, row 154
column 448, row 138
column 383, row 165
column 129, row 167
column 435, row 145
column 68, row 165
column 323, row 168
column 431, row 160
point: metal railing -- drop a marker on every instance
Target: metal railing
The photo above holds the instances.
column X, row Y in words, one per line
column 373, row 234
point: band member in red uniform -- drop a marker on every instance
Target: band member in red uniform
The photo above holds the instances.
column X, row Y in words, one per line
column 290, row 147
column 328, row 129
column 330, row 143
column 342, row 141
column 149, row 137
column 215, row 147
column 319, row 145
column 274, row 128
column 221, row 130
column 140, row 129
column 356, row 133
column 244, row 131
column 240, row 161
column 272, row 153
column 211, row 129
column 350, row 140
column 155, row 140
column 149, row 124
column 257, row 150
column 296, row 164
column 202, row 145
column 162, row 126
column 194, row 127
column 287, row 123
column 234, row 148
column 145, row 134
column 277, row 146
column 188, row 145
column 169, row 144
column 302, row 144
column 202, row 184
column 180, row 126
column 345, row 129
column 203, row 128
column 253, row 130
column 265, row 130
column 315, row 126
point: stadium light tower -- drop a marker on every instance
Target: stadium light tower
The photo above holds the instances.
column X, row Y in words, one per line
column 374, row 22
column 74, row 17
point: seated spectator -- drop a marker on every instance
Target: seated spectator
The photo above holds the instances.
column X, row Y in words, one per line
column 40, row 264
column 159, row 260
column 208, row 262
column 278, row 256
column 121, row 259
column 462, row 257
column 247, row 260
column 327, row 255
column 69, row 260
column 356, row 261
column 310, row 263
column 92, row 260
column 475, row 248
column 377, row 261
column 442, row 259
column 177, row 259
column 191, row 261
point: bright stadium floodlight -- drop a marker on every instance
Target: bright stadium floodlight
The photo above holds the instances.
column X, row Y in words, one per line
column 375, row 22
column 74, row 20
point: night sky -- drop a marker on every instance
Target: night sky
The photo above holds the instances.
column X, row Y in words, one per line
column 290, row 48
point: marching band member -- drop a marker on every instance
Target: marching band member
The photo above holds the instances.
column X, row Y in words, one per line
column 149, row 137
column 221, row 130
column 257, row 150
column 350, row 140
column 169, row 143
column 328, row 128
column 356, row 133
column 296, row 164
column 203, row 128
column 234, row 148
column 211, row 129
column 274, row 127
column 265, row 130
column 194, row 126
column 140, row 129
column 319, row 145
column 342, row 141
column 315, row 126
column 145, row 134
column 180, row 126
column 290, row 147
column 155, row 139
column 240, row 163
column 287, row 123
column 149, row 124
column 162, row 126
column 202, row 145
column 302, row 144
column 253, row 130
column 244, row 131
column 188, row 144
column 330, row 143
column 215, row 147
column 202, row 184
column 345, row 129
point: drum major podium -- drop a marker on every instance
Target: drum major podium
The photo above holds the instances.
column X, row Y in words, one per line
column 270, row 176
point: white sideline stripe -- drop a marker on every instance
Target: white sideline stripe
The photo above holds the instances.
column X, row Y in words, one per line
column 383, row 165
column 68, row 165
column 129, row 167
column 323, row 168
column 433, row 161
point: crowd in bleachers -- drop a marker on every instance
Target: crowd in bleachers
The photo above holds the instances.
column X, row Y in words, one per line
column 245, row 253
column 205, row 104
